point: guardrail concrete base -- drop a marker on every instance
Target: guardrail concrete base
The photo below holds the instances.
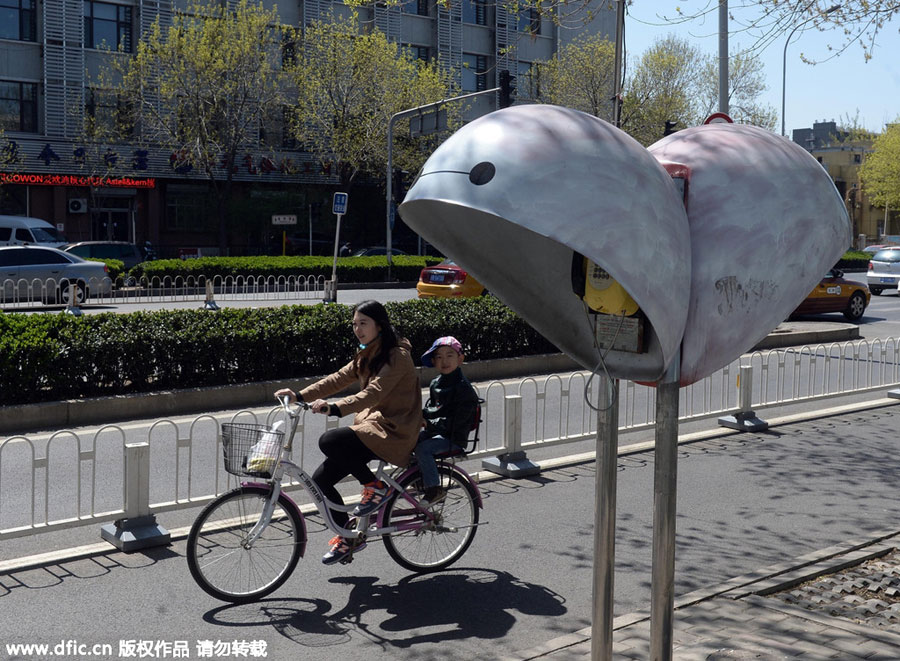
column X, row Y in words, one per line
column 134, row 534
column 511, row 464
column 744, row 421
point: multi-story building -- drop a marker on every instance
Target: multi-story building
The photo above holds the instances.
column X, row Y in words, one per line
column 51, row 49
column 842, row 157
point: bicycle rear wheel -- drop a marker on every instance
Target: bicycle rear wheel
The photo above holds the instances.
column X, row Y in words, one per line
column 431, row 546
column 222, row 562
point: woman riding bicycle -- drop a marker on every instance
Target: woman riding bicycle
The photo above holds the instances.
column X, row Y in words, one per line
column 388, row 418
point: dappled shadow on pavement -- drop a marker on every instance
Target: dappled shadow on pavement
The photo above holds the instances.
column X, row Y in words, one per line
column 54, row 574
column 431, row 608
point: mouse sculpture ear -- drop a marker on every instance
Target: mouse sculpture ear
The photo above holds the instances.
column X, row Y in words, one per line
column 520, row 196
column 766, row 223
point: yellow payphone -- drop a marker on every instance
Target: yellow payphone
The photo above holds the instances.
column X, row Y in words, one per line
column 617, row 319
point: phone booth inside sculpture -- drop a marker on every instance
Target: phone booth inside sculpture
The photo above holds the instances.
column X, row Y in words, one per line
column 628, row 255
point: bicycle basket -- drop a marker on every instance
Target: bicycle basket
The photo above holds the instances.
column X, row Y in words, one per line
column 251, row 450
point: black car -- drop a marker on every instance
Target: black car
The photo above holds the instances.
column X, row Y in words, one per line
column 123, row 251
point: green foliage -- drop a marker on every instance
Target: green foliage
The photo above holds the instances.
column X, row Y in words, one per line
column 580, row 76
column 854, row 259
column 349, row 83
column 746, row 83
column 45, row 357
column 405, row 268
column 115, row 267
column 203, row 85
column 880, row 171
column 660, row 88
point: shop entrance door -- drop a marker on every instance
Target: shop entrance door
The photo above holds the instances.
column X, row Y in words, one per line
column 112, row 220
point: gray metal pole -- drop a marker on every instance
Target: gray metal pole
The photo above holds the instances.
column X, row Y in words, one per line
column 617, row 67
column 662, row 590
column 723, row 56
column 605, row 522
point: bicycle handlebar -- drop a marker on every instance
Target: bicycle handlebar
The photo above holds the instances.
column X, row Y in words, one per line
column 285, row 402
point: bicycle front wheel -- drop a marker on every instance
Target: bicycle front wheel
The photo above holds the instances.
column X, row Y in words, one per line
column 225, row 564
column 422, row 545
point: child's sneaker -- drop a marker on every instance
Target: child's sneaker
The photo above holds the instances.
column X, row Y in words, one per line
column 373, row 496
column 433, row 496
column 341, row 548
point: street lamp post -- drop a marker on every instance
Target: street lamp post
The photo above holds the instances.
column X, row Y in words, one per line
column 784, row 58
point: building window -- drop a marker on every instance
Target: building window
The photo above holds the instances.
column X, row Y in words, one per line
column 17, row 20
column 187, row 208
column 18, row 106
column 530, row 21
column 474, row 11
column 857, row 158
column 473, row 70
column 526, row 85
column 107, row 115
column 419, row 7
column 288, row 51
column 419, row 52
column 107, row 26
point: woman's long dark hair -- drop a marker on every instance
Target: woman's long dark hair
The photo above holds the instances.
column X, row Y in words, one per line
column 389, row 339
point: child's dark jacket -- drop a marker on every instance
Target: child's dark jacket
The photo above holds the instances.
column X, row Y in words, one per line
column 451, row 406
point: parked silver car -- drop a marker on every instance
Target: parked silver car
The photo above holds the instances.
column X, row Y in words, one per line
column 884, row 270
column 32, row 273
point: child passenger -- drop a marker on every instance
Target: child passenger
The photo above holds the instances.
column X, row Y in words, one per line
column 449, row 412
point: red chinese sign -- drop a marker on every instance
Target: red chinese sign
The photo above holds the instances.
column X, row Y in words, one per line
column 76, row 180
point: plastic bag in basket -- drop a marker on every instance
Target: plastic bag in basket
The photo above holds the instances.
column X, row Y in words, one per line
column 264, row 454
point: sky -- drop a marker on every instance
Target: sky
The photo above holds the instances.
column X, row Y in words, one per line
column 832, row 90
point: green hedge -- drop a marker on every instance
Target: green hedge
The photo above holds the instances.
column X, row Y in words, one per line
column 854, row 259
column 405, row 268
column 115, row 267
column 46, row 357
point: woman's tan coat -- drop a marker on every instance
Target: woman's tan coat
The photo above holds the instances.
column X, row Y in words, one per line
column 388, row 406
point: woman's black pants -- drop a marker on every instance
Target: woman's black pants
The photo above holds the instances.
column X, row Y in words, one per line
column 345, row 455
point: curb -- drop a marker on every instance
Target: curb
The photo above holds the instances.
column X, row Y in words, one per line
column 100, row 548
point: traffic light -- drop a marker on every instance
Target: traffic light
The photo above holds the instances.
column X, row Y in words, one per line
column 670, row 127
column 398, row 185
column 507, row 89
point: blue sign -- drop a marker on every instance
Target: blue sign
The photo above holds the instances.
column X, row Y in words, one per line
column 339, row 207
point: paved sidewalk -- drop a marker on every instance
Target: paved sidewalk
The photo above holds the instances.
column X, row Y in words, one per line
column 809, row 608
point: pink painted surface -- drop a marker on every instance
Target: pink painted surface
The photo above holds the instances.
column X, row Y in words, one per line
column 766, row 222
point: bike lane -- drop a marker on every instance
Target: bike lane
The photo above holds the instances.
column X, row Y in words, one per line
column 745, row 501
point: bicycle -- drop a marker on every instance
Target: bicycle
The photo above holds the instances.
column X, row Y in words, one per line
column 247, row 542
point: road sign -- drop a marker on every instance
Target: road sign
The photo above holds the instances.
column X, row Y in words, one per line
column 339, row 206
column 718, row 118
column 427, row 123
column 284, row 219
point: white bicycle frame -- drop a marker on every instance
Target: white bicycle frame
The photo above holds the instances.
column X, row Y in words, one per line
column 325, row 506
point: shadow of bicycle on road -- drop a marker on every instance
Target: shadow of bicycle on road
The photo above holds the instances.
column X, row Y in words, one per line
column 431, row 608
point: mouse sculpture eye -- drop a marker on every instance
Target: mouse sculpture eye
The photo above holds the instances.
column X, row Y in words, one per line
column 482, row 173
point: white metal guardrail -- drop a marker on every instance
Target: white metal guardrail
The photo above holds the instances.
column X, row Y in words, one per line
column 69, row 479
column 27, row 294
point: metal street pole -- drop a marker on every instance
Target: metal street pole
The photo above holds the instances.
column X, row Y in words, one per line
column 665, row 478
column 617, row 67
column 605, row 522
column 390, row 153
column 723, row 56
column 831, row 9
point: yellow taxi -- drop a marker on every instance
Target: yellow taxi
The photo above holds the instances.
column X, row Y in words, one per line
column 835, row 294
column 447, row 279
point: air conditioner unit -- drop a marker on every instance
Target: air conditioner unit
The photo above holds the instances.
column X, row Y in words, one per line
column 78, row 205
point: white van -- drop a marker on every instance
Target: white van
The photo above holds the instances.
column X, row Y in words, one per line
column 21, row 230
